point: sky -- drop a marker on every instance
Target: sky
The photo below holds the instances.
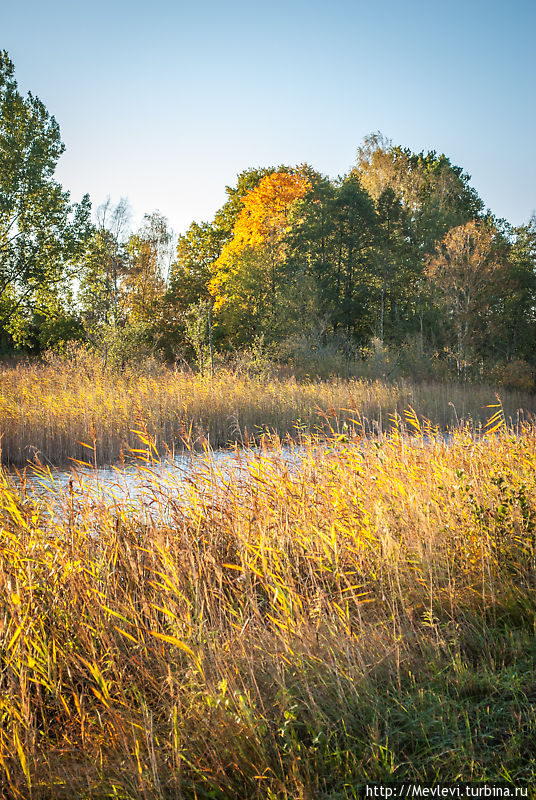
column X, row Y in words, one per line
column 165, row 102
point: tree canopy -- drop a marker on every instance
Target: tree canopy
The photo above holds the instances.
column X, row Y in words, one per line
column 245, row 278
column 42, row 236
column 399, row 253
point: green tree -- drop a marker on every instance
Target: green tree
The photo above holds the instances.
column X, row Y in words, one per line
column 187, row 289
column 429, row 196
column 512, row 328
column 106, row 262
column 42, row 236
column 436, row 193
column 197, row 250
column 309, row 288
column 331, row 255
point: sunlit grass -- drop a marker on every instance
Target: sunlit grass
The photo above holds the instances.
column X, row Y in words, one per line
column 50, row 411
column 286, row 629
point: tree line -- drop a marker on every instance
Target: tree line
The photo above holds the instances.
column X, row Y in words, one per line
column 399, row 256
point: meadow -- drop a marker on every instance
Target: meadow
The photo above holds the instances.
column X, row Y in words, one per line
column 364, row 614
column 52, row 411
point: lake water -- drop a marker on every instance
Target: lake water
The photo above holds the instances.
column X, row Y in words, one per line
column 146, row 482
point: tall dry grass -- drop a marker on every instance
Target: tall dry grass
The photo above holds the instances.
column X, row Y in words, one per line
column 46, row 410
column 282, row 630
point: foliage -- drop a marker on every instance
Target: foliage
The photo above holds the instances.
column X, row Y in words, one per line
column 436, row 193
column 149, row 256
column 516, row 374
column 199, row 332
column 468, row 270
column 332, row 244
column 245, row 280
column 42, row 237
column 129, row 344
column 191, row 272
column 291, row 254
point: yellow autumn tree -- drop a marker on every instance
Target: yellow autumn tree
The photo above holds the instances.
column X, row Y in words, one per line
column 245, row 276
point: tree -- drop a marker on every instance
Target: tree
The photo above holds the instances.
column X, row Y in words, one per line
column 226, row 217
column 308, row 289
column 332, row 240
column 105, row 264
column 394, row 252
column 467, row 271
column 513, row 326
column 42, row 236
column 124, row 282
column 435, row 192
column 246, row 276
column 429, row 196
column 197, row 250
column 191, row 272
column 149, row 252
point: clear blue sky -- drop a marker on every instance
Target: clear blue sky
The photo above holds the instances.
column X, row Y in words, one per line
column 166, row 101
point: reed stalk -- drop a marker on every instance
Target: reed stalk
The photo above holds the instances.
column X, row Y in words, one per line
column 52, row 411
column 290, row 628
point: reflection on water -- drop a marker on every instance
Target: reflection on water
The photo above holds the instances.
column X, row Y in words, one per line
column 146, row 482
column 181, row 482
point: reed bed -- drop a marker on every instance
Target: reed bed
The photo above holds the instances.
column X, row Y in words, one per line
column 50, row 411
column 288, row 629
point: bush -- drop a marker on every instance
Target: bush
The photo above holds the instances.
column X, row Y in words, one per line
column 314, row 355
column 517, row 374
